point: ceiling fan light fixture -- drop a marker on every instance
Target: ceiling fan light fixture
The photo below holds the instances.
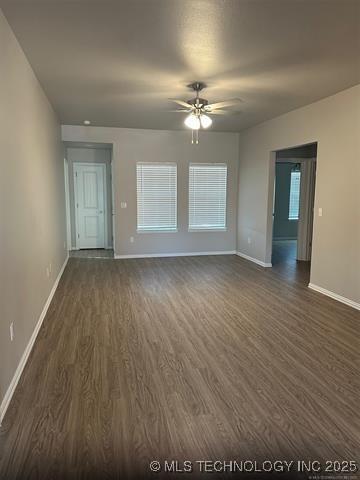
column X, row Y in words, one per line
column 197, row 108
column 192, row 121
column 205, row 121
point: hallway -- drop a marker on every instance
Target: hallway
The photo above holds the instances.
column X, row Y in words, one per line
column 284, row 262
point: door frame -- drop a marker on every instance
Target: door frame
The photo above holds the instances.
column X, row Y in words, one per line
column 67, row 203
column 271, row 197
column 306, row 210
column 90, row 164
column 112, row 246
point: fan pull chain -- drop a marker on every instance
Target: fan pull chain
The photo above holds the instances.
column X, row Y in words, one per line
column 195, row 138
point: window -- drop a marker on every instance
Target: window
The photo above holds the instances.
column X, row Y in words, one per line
column 294, row 195
column 207, row 196
column 156, row 197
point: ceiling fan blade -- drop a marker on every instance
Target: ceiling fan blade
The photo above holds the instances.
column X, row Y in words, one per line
column 222, row 112
column 181, row 110
column 225, row 103
column 181, row 102
column 216, row 112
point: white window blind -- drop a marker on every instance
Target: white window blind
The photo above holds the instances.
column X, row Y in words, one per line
column 207, row 196
column 156, row 196
column 294, row 199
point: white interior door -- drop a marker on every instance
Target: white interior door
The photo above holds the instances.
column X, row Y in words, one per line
column 90, row 205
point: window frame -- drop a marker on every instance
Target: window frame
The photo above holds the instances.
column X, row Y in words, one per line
column 290, row 218
column 197, row 229
column 157, row 230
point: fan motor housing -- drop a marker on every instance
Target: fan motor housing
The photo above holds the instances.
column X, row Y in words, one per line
column 202, row 101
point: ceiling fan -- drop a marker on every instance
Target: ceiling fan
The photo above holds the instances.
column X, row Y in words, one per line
column 199, row 109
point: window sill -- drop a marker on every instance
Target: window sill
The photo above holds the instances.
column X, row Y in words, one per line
column 157, row 231
column 206, row 230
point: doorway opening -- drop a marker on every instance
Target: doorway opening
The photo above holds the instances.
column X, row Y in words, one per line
column 89, row 199
column 293, row 211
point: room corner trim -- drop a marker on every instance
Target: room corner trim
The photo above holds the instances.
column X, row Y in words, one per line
column 11, row 389
column 335, row 296
column 185, row 254
column 255, row 260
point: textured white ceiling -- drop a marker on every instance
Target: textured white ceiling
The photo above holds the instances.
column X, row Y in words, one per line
column 116, row 63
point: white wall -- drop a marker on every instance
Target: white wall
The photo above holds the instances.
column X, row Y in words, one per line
column 131, row 146
column 335, row 124
column 32, row 203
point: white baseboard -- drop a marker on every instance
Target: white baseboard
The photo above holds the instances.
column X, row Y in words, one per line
column 186, row 254
column 11, row 389
column 255, row 260
column 335, row 296
column 280, row 239
column 75, row 249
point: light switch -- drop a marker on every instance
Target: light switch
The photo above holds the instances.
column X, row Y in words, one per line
column 320, row 212
column 123, row 204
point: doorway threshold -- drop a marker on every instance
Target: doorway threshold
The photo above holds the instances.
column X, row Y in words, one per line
column 92, row 253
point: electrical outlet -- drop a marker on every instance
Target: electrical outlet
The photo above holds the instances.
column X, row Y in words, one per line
column 320, row 212
column 11, row 331
column 249, row 240
column 123, row 204
column 131, row 239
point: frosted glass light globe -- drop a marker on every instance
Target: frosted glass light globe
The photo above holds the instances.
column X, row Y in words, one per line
column 192, row 121
column 205, row 121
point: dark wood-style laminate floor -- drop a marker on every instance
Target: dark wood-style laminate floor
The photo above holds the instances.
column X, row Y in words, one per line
column 183, row 358
column 284, row 252
column 284, row 262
